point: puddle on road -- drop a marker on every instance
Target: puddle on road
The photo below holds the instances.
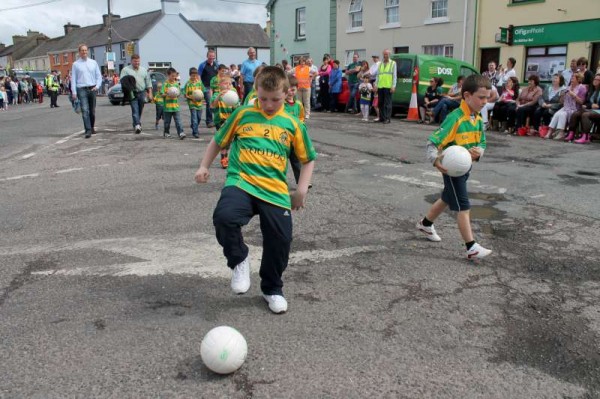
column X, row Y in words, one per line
column 586, row 173
column 486, row 212
column 570, row 180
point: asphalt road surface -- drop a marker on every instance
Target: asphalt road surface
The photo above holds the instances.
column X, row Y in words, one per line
column 110, row 274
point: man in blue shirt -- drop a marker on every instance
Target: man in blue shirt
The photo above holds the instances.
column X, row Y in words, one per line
column 247, row 71
column 86, row 79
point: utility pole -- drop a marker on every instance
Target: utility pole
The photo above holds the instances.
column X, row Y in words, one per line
column 109, row 26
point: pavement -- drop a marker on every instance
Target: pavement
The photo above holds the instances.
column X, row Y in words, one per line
column 110, row 274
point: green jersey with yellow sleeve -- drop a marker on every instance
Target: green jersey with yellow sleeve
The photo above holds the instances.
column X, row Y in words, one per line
column 189, row 88
column 295, row 109
column 170, row 104
column 461, row 127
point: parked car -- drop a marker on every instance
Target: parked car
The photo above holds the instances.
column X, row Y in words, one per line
column 429, row 66
column 115, row 93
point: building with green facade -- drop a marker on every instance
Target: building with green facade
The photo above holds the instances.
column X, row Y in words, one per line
column 302, row 28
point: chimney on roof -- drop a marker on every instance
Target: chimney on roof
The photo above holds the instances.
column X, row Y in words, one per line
column 32, row 33
column 18, row 38
column 69, row 27
column 105, row 18
column 2, row 46
column 170, row 7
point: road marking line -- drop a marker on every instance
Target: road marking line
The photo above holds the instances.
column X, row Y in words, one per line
column 58, row 172
column 161, row 255
column 27, row 156
column 86, row 150
column 390, row 165
column 69, row 137
column 22, row 176
column 413, row 180
column 538, row 196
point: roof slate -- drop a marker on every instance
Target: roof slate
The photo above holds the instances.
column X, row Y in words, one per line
column 230, row 34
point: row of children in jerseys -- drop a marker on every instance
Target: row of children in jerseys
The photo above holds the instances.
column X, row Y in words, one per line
column 268, row 131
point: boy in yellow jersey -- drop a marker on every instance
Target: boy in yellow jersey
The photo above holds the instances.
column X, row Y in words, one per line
column 295, row 108
column 221, row 111
column 171, row 104
column 463, row 127
column 195, row 106
column 159, row 102
column 251, row 97
column 261, row 138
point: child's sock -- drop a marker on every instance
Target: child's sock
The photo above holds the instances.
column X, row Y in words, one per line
column 426, row 222
column 469, row 244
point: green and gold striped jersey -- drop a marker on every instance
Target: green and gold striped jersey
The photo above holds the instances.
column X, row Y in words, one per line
column 461, row 127
column 222, row 111
column 260, row 147
column 296, row 109
column 214, row 83
column 251, row 96
column 170, row 104
column 189, row 89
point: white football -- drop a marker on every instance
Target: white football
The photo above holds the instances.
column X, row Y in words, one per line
column 172, row 92
column 230, row 98
column 457, row 160
column 223, row 350
column 197, row 95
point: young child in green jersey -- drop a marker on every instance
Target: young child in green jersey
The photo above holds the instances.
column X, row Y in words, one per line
column 261, row 138
column 463, row 127
column 222, row 71
column 295, row 108
column 171, row 107
column 195, row 106
column 159, row 102
column 221, row 111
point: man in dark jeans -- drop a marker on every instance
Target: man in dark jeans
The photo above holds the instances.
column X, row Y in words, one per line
column 85, row 81
column 207, row 70
column 352, row 75
column 143, row 87
column 386, row 86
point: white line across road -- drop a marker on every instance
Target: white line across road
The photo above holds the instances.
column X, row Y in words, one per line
column 69, row 137
column 20, row 177
column 59, row 172
column 86, row 150
column 196, row 254
column 27, row 156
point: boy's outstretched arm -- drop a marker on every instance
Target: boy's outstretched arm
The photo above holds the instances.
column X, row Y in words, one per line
column 210, row 154
column 299, row 196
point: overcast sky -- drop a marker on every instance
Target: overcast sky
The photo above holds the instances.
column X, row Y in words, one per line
column 49, row 18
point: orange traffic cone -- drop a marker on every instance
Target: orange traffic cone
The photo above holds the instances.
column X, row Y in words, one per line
column 413, row 108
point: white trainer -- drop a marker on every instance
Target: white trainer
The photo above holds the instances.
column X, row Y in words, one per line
column 138, row 129
column 428, row 231
column 478, row 252
column 277, row 303
column 240, row 278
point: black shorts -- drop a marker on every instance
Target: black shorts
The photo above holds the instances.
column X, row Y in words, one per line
column 455, row 192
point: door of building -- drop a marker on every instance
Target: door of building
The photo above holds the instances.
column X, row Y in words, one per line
column 595, row 61
column 488, row 55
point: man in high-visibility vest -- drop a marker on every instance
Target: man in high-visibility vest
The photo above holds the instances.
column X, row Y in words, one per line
column 52, row 86
column 386, row 86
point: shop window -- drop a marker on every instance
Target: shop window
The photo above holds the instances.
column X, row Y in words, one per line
column 545, row 61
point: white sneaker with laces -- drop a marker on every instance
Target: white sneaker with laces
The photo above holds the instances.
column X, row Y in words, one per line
column 138, row 129
column 277, row 303
column 429, row 232
column 477, row 252
column 240, row 278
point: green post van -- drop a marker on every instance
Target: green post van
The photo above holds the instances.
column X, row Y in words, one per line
column 428, row 66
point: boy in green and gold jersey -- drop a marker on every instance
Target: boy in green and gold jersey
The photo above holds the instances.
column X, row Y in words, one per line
column 261, row 138
column 195, row 106
column 463, row 127
column 221, row 73
column 295, row 108
column 171, row 107
column 159, row 102
column 221, row 111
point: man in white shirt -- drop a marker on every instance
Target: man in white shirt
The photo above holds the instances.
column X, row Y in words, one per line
column 86, row 79
column 568, row 73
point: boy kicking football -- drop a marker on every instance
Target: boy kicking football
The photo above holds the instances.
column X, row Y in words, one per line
column 463, row 127
column 260, row 139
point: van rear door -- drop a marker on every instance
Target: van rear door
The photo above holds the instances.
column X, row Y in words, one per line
column 404, row 74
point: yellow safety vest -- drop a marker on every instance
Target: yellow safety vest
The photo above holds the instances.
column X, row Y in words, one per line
column 51, row 84
column 386, row 75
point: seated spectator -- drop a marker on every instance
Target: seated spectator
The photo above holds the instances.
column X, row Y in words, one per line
column 510, row 92
column 525, row 106
column 431, row 98
column 489, row 106
column 548, row 104
column 573, row 99
column 449, row 102
column 589, row 114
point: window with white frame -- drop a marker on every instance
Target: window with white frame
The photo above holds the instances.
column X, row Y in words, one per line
column 355, row 11
column 446, row 50
column 362, row 55
column 56, row 59
column 392, row 11
column 92, row 54
column 301, row 23
column 439, row 8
